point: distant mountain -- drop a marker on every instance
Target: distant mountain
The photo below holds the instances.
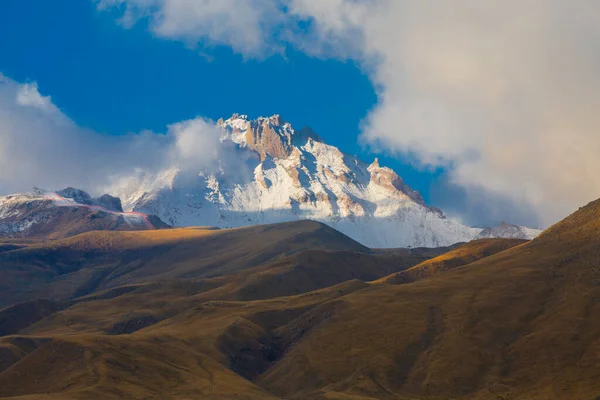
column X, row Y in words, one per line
column 278, row 174
column 508, row 231
column 41, row 214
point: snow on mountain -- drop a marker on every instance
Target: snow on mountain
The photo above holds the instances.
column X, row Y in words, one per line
column 77, row 196
column 71, row 211
column 277, row 174
column 508, row 231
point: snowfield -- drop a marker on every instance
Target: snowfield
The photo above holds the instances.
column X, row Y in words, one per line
column 278, row 174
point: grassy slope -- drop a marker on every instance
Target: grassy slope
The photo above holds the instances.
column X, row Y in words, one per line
column 192, row 354
column 463, row 255
column 101, row 260
column 174, row 293
column 517, row 324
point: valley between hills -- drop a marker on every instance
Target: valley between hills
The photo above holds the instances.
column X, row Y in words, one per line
column 299, row 311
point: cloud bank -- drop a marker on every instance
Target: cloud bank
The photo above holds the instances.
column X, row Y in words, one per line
column 248, row 26
column 502, row 94
column 40, row 145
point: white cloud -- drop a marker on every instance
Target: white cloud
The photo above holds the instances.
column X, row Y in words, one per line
column 41, row 146
column 195, row 144
column 245, row 25
column 28, row 95
column 505, row 94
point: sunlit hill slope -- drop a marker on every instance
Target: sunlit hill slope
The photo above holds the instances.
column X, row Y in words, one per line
column 300, row 311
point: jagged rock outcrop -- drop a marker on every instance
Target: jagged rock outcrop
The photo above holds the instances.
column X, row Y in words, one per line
column 388, row 179
column 79, row 196
column 270, row 137
column 109, row 202
column 296, row 176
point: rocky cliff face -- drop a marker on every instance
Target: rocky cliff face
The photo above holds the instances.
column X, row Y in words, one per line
column 294, row 175
column 389, row 180
column 270, row 137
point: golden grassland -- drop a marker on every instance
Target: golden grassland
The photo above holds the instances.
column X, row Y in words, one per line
column 463, row 255
column 286, row 311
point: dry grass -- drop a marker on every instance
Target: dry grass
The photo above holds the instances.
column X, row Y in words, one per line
column 245, row 263
column 518, row 324
column 463, row 255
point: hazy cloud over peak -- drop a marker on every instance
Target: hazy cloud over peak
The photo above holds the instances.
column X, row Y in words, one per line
column 41, row 146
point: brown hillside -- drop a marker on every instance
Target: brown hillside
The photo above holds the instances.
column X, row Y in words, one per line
column 463, row 255
column 519, row 324
column 246, row 263
column 95, row 261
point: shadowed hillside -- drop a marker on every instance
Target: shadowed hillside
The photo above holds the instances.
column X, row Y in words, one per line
column 284, row 311
column 247, row 263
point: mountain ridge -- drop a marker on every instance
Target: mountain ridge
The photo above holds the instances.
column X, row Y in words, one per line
column 280, row 174
column 68, row 212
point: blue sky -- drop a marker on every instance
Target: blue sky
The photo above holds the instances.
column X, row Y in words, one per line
column 117, row 81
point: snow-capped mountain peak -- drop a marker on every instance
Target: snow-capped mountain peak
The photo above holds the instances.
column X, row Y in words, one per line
column 279, row 174
column 389, row 179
